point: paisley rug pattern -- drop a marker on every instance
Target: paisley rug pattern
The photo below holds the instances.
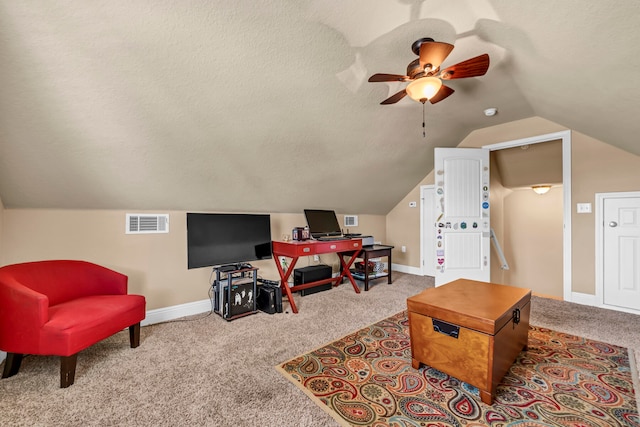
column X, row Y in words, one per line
column 366, row 378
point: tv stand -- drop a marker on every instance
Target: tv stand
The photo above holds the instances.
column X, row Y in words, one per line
column 235, row 291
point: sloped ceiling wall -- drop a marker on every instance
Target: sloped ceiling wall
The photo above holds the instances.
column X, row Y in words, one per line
column 264, row 106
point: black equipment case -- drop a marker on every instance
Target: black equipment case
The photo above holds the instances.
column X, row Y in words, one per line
column 269, row 298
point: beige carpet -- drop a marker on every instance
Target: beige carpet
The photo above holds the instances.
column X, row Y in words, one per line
column 210, row 372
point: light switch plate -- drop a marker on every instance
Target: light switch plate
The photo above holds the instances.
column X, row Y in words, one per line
column 584, row 208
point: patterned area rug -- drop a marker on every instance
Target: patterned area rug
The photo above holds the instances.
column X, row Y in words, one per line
column 366, row 378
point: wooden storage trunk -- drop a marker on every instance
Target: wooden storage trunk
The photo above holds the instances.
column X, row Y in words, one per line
column 470, row 330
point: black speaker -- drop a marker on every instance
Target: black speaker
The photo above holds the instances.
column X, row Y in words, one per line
column 269, row 299
column 311, row 274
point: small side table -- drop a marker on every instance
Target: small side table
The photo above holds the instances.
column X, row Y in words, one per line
column 375, row 251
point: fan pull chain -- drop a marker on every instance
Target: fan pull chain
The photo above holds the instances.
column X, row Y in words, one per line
column 424, row 133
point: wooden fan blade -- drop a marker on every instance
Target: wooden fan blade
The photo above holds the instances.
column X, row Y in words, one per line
column 473, row 67
column 388, row 78
column 442, row 94
column 434, row 53
column 394, row 98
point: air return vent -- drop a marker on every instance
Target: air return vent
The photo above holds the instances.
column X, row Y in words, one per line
column 350, row 220
column 147, row 223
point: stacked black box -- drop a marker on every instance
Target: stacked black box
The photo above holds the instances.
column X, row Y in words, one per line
column 311, row 274
column 270, row 298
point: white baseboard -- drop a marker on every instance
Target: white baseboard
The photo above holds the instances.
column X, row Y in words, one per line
column 587, row 299
column 584, row 299
column 165, row 314
column 406, row 269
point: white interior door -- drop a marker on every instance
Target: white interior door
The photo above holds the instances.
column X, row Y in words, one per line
column 462, row 224
column 621, row 252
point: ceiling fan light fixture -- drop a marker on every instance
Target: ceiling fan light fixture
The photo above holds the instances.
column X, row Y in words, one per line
column 424, row 88
column 425, row 76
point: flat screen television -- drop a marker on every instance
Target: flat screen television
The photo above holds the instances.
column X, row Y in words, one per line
column 216, row 239
column 322, row 222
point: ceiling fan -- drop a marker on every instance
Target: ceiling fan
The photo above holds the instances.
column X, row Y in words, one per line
column 425, row 76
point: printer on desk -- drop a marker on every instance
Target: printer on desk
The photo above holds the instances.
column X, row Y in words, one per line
column 367, row 240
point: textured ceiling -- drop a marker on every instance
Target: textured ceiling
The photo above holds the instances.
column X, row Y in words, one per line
column 264, row 105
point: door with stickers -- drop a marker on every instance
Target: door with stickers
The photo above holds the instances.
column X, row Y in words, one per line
column 463, row 227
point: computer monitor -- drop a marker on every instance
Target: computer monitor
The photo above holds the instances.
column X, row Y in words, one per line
column 322, row 222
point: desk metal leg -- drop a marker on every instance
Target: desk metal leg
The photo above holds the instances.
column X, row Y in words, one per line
column 346, row 270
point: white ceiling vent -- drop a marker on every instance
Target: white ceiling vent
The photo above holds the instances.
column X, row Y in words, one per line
column 147, row 223
column 350, row 220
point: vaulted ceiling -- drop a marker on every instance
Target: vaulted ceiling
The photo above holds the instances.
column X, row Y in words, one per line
column 264, row 106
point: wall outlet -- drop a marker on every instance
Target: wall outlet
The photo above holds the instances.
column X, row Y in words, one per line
column 316, row 258
column 403, row 249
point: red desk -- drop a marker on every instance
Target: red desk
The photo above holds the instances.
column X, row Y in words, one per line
column 296, row 249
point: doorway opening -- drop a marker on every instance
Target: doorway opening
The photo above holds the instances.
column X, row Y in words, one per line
column 526, row 217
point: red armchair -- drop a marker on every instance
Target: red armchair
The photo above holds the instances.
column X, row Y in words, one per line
column 60, row 308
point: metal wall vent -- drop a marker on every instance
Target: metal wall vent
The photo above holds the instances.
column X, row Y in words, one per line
column 350, row 220
column 147, row 223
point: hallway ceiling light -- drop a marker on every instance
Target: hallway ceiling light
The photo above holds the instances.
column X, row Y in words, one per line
column 541, row 189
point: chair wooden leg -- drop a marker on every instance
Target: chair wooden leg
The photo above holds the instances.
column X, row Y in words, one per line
column 134, row 335
column 67, row 370
column 12, row 364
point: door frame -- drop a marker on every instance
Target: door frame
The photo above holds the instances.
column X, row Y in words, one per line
column 565, row 137
column 427, row 267
column 599, row 208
